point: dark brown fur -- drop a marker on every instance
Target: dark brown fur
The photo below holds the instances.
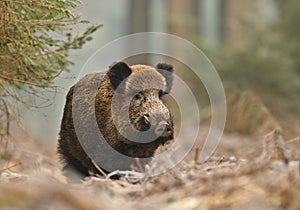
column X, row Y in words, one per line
column 90, row 100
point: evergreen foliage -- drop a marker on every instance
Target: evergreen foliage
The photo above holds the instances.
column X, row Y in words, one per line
column 35, row 40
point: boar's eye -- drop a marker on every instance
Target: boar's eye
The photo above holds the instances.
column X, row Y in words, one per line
column 138, row 96
column 161, row 93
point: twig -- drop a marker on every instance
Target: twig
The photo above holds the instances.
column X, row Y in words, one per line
column 10, row 167
column 99, row 169
column 7, row 116
column 292, row 140
column 196, row 157
column 138, row 162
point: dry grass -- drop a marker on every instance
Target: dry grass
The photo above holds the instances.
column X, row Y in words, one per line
column 31, row 180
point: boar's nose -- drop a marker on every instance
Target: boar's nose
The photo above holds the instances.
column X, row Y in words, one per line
column 164, row 129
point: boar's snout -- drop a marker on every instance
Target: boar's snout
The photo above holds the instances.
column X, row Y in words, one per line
column 161, row 125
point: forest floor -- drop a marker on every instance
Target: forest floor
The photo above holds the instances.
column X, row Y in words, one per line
column 251, row 171
column 240, row 175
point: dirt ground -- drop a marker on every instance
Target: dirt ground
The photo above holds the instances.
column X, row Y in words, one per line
column 247, row 171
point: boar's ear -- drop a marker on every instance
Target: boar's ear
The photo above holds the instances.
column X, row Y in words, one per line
column 117, row 73
column 167, row 71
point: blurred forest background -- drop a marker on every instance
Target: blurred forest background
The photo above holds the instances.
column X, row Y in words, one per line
column 254, row 45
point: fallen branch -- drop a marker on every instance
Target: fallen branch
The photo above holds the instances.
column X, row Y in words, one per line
column 127, row 174
column 10, row 167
